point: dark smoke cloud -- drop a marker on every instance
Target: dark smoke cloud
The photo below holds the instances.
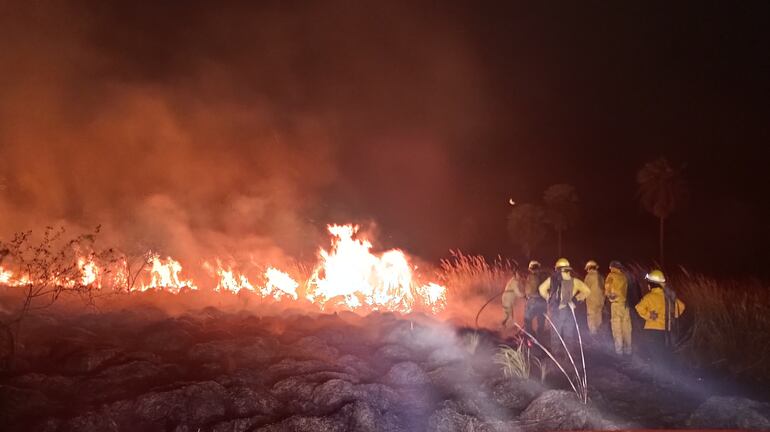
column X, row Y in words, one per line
column 229, row 130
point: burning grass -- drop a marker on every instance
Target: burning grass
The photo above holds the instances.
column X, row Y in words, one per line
column 727, row 322
column 473, row 274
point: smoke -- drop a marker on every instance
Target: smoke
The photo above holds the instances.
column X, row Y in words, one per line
column 233, row 132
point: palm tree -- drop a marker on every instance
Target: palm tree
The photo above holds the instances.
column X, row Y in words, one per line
column 661, row 190
column 561, row 204
column 526, row 228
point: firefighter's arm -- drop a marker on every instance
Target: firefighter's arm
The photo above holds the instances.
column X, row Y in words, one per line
column 643, row 308
column 581, row 290
column 544, row 288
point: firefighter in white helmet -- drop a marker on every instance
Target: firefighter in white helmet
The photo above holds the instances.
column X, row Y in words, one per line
column 595, row 301
column 660, row 309
column 560, row 291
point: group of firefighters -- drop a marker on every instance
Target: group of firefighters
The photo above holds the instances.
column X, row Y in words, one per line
column 555, row 293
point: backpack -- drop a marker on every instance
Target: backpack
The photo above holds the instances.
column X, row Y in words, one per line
column 671, row 324
column 634, row 291
column 555, row 297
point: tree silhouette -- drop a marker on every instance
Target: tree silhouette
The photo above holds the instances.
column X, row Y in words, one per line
column 526, row 228
column 561, row 207
column 661, row 190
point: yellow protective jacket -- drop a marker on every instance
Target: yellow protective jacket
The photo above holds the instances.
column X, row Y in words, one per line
column 616, row 286
column 579, row 290
column 595, row 283
column 652, row 308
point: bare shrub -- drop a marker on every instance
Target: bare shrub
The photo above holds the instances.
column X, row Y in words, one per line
column 45, row 271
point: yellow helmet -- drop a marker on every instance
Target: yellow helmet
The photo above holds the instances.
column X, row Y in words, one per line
column 591, row 264
column 562, row 263
column 655, row 276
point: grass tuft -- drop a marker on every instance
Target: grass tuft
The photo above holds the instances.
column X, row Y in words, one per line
column 515, row 361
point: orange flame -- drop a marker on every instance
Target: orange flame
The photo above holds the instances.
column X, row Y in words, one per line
column 434, row 296
column 352, row 276
column 348, row 275
column 279, row 284
column 89, row 271
column 5, row 276
column 165, row 275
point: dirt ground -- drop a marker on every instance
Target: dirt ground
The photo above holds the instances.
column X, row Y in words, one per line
column 139, row 368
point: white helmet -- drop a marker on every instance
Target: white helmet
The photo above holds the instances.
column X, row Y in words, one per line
column 655, row 276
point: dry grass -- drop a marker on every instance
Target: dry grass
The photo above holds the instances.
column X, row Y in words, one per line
column 473, row 274
column 515, row 361
column 730, row 323
column 471, row 342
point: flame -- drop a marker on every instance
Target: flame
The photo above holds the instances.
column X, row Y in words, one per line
column 5, row 276
column 348, row 275
column 89, row 271
column 229, row 282
column 9, row 278
column 279, row 284
column 165, row 275
column 352, row 276
column 434, row 296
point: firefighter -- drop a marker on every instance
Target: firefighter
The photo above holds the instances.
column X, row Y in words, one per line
column 536, row 307
column 659, row 308
column 595, row 301
column 510, row 294
column 616, row 290
column 559, row 291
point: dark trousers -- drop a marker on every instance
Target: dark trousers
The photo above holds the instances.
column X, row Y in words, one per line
column 655, row 345
column 565, row 326
column 535, row 310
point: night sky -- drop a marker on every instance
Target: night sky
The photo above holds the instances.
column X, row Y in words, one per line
column 253, row 125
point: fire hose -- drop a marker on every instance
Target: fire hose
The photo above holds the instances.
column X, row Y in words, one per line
column 485, row 305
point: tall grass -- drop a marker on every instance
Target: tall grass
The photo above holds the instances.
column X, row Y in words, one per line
column 473, row 274
column 726, row 322
column 730, row 323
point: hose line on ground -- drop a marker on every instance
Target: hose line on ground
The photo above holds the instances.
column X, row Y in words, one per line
column 485, row 305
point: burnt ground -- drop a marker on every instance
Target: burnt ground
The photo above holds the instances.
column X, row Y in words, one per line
column 138, row 369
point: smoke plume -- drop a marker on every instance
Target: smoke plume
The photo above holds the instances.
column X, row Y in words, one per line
column 233, row 131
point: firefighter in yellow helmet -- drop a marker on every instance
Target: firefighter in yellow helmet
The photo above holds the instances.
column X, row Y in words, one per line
column 659, row 308
column 559, row 291
column 595, row 300
column 616, row 290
